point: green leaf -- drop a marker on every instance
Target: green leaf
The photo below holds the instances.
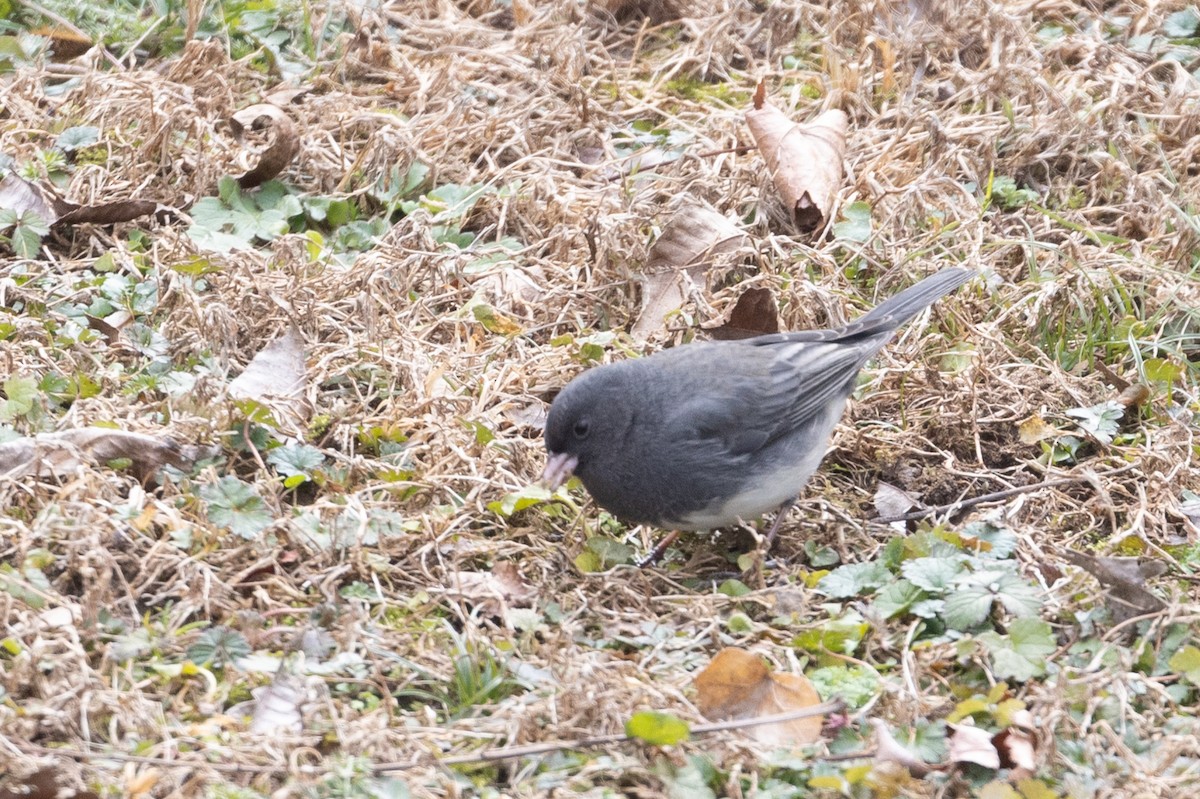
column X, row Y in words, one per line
column 693, row 780
column 854, row 578
column 1102, row 420
column 971, row 602
column 74, row 138
column 1021, row 654
column 526, row 497
column 1162, row 370
column 1181, row 24
column 967, row 607
column 235, row 506
column 836, row 635
column 1187, row 662
column 294, row 460
column 820, row 556
column 733, row 588
column 28, row 585
column 934, row 575
column 896, row 598
column 856, row 224
column 1001, row 541
column 611, row 552
column 21, row 394
column 857, row 685
column 218, row 646
column 659, row 729
column 957, row 359
column 28, row 230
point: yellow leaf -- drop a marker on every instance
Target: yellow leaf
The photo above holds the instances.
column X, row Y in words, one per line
column 1035, row 429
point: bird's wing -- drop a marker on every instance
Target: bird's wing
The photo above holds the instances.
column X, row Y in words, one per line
column 776, row 384
column 770, row 390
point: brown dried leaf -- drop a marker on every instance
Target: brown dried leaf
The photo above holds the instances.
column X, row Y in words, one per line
column 1134, row 395
column 67, row 43
column 1017, row 749
column 1123, row 581
column 108, row 213
column 891, row 501
column 277, row 706
column 59, row 454
column 111, row 327
column 283, row 146
column 20, row 195
column 679, row 259
column 492, row 592
column 970, row 744
column 277, row 378
column 755, row 313
column 738, row 685
column 41, row 784
column 805, row 160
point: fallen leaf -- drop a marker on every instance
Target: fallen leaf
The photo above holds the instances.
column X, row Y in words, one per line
column 66, row 43
column 805, row 159
column 889, row 750
column 277, row 378
column 41, row 784
column 738, row 685
column 59, row 454
column 532, row 415
column 892, row 501
column 680, row 259
column 277, row 706
column 970, row 744
column 111, row 325
column 1123, row 581
column 281, row 148
column 1017, row 749
column 20, row 195
column 140, row 782
column 108, row 213
column 1035, row 429
column 998, row 790
column 755, row 313
column 494, row 592
column 1133, row 395
column 495, row 322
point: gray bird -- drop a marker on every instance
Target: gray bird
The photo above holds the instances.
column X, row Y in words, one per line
column 710, row 434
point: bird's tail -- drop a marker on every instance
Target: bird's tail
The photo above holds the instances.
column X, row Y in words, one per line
column 897, row 310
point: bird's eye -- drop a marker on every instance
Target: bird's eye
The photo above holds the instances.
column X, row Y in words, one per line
column 581, row 428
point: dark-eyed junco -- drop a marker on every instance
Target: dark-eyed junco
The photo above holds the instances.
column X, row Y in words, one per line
column 705, row 435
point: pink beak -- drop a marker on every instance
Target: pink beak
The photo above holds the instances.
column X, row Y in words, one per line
column 559, row 467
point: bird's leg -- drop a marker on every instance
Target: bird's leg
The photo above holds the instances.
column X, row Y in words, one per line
column 655, row 555
column 779, row 516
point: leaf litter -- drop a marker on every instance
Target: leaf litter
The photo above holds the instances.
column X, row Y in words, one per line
column 1039, row 143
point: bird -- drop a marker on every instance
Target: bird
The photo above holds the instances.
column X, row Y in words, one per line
column 711, row 434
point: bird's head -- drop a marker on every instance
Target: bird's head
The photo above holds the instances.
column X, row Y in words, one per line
column 586, row 419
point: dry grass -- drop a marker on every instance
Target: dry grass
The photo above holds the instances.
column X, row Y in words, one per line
column 939, row 100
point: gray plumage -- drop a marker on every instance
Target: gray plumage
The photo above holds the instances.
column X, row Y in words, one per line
column 706, row 434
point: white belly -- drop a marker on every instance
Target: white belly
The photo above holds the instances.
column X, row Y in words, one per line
column 762, row 496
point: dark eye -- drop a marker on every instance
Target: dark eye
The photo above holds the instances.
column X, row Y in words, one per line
column 581, row 428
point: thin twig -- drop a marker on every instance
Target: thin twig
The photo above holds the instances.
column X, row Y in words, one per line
column 484, row 756
column 531, row 750
column 995, row 496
